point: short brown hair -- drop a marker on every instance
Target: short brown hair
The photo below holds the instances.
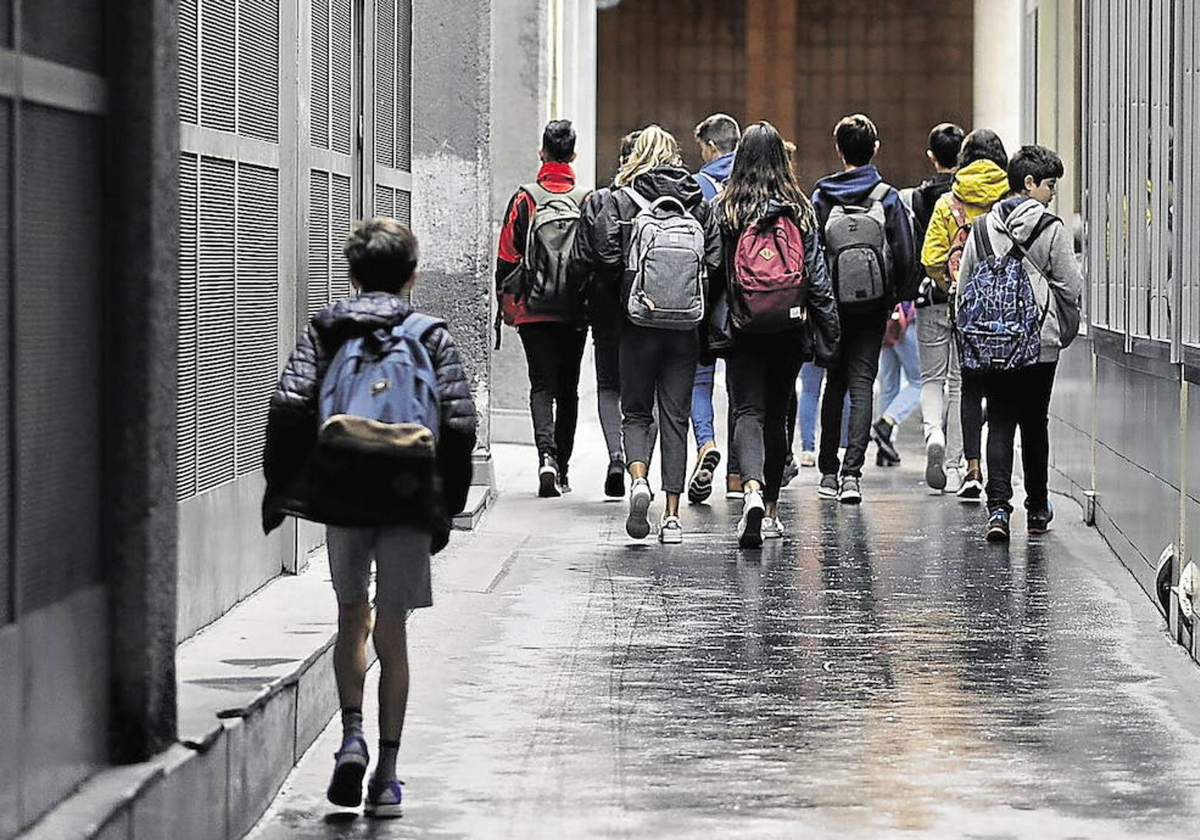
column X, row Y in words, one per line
column 856, row 137
column 382, row 254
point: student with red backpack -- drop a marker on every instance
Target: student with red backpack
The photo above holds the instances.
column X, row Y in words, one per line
column 868, row 243
column 537, row 296
column 778, row 293
column 657, row 243
column 370, row 431
column 1017, row 309
column 979, row 183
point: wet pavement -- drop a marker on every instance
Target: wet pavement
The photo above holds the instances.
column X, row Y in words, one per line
column 881, row 671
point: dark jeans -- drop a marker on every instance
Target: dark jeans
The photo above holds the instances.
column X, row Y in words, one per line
column 762, row 373
column 658, row 365
column 554, row 352
column 1019, row 398
column 606, row 338
column 854, row 373
column 971, row 414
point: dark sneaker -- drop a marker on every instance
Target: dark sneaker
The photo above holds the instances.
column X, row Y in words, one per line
column 614, row 482
column 564, row 486
column 935, row 469
column 850, row 493
column 882, row 460
column 637, row 525
column 350, row 765
column 828, row 488
column 548, row 478
column 749, row 529
column 881, row 433
column 1038, row 521
column 997, row 527
column 384, row 799
column 971, row 489
column 790, row 471
column 700, row 485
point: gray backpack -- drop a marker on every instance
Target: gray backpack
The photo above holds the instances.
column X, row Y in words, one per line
column 860, row 258
column 544, row 283
column 666, row 258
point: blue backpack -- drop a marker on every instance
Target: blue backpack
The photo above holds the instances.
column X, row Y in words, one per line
column 379, row 396
column 998, row 321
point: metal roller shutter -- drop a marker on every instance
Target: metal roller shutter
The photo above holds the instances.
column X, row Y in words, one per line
column 257, row 308
column 385, row 201
column 58, row 373
column 189, row 57
column 215, row 324
column 385, row 83
column 318, row 241
column 404, row 86
column 258, row 69
column 5, row 363
column 185, row 438
column 341, row 76
column 320, row 74
column 217, row 66
column 339, row 218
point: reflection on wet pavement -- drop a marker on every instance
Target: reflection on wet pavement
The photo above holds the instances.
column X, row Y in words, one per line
column 882, row 670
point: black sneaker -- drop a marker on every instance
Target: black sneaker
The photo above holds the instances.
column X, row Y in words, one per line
column 828, row 488
column 701, row 483
column 614, row 483
column 790, row 471
column 997, row 527
column 882, row 460
column 548, row 478
column 850, row 493
column 564, row 486
column 881, row 433
column 971, row 489
column 1038, row 521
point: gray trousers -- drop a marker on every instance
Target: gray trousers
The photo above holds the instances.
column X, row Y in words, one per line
column 941, row 379
column 658, row 366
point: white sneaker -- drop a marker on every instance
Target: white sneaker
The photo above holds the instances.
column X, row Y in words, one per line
column 670, row 531
column 637, row 525
column 772, row 528
column 808, row 459
column 749, row 529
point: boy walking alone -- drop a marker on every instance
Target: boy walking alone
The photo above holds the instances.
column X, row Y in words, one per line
column 385, row 496
column 869, row 248
column 1018, row 379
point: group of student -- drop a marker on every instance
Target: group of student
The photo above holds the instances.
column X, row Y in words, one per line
column 965, row 285
column 372, row 424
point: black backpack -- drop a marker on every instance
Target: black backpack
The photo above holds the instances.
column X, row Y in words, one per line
column 545, row 287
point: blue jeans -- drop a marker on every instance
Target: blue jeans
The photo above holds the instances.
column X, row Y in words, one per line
column 702, row 405
column 896, row 402
column 811, row 378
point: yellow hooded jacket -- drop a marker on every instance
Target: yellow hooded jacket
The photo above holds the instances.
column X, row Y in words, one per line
column 978, row 185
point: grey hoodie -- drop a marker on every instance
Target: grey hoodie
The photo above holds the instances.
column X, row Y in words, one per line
column 1049, row 259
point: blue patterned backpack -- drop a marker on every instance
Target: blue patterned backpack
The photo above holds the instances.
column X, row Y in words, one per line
column 997, row 320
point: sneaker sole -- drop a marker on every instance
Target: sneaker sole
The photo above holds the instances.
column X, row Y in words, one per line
column 548, row 486
column 850, row 499
column 935, row 472
column 671, row 540
column 827, row 494
column 346, row 789
column 384, row 812
column 614, row 486
column 752, row 537
column 735, row 494
column 971, row 496
column 637, row 525
column 995, row 535
column 789, row 476
column 700, row 487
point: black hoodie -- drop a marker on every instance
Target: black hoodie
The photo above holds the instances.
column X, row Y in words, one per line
column 612, row 230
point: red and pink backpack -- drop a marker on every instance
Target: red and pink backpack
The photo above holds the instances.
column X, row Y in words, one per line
column 768, row 289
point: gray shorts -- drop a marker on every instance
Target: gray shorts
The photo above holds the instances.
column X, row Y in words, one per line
column 401, row 555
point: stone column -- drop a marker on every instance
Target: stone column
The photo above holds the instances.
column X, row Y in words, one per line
column 452, row 181
column 998, row 69
column 771, row 54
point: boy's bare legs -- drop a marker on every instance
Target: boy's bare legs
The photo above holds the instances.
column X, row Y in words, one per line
column 391, row 643
column 350, row 653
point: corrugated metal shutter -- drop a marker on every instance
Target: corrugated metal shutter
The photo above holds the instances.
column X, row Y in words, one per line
column 60, row 261
column 189, row 56
column 318, row 240
column 319, row 106
column 5, row 361
column 385, row 201
column 385, row 83
column 404, row 206
column 339, row 219
column 217, row 68
column 404, row 86
column 215, row 343
column 185, row 436
column 341, row 75
column 258, row 69
column 257, row 308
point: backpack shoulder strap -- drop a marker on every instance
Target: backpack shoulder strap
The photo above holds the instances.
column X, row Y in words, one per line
column 637, row 197
column 958, row 210
column 983, row 240
column 718, row 186
column 417, row 325
column 879, row 193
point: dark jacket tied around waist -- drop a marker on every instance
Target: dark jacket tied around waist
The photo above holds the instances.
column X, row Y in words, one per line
column 305, row 481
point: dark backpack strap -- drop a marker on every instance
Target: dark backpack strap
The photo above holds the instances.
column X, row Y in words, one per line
column 983, row 241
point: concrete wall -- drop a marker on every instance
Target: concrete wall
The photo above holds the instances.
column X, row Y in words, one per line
column 998, row 69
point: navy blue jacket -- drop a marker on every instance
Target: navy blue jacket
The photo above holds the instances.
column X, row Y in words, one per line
column 718, row 170
column 852, row 187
